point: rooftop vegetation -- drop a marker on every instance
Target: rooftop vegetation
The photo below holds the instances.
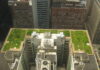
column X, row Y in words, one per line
column 66, row 32
column 79, row 38
column 81, row 41
column 14, row 39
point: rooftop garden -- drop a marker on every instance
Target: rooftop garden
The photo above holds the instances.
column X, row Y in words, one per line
column 66, row 32
column 81, row 41
column 16, row 36
column 14, row 39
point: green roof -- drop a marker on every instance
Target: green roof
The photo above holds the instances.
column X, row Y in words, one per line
column 79, row 38
column 80, row 41
column 66, row 32
column 14, row 39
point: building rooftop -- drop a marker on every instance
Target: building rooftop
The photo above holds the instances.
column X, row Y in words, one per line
column 81, row 48
column 70, row 3
column 80, row 39
column 73, row 0
column 85, row 62
column 3, row 63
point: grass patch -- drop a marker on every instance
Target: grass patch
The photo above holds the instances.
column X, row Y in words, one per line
column 29, row 32
column 16, row 34
column 6, row 47
column 80, row 40
column 66, row 33
column 14, row 39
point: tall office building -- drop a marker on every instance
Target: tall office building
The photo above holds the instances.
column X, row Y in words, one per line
column 93, row 24
column 89, row 6
column 68, row 14
column 41, row 13
column 5, row 20
column 21, row 13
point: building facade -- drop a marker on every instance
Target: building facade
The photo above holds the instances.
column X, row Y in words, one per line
column 41, row 13
column 89, row 6
column 93, row 24
column 21, row 13
column 68, row 14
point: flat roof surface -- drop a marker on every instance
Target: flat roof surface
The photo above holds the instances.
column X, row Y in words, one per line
column 73, row 0
column 90, row 65
column 3, row 63
column 80, row 39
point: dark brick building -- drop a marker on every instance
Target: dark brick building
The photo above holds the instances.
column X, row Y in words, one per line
column 68, row 14
column 22, row 13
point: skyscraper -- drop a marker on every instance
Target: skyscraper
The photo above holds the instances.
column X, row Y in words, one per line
column 21, row 13
column 68, row 14
column 5, row 20
column 41, row 13
column 89, row 6
column 93, row 24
